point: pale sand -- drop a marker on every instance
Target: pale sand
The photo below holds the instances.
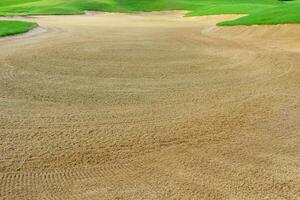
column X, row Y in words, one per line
column 150, row 106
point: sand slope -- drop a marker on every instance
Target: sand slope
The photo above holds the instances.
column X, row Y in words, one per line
column 150, row 106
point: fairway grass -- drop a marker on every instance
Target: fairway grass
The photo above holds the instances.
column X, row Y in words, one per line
column 14, row 27
column 288, row 13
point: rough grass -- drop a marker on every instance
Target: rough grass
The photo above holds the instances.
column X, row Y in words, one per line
column 14, row 27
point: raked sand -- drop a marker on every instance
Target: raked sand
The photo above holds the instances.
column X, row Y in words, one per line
column 149, row 106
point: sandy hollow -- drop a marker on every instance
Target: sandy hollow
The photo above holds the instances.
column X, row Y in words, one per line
column 150, row 106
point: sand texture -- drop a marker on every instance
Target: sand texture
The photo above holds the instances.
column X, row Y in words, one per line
column 149, row 106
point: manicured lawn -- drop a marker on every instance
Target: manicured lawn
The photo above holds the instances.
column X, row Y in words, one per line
column 286, row 13
column 258, row 11
column 14, row 27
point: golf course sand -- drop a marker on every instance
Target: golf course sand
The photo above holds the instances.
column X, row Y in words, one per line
column 149, row 106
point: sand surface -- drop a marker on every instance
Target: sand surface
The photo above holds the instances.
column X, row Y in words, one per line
column 150, row 106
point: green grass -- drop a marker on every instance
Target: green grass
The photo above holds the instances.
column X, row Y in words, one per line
column 257, row 11
column 14, row 27
column 283, row 14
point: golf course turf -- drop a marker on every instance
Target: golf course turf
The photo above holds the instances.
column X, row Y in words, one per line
column 257, row 11
column 14, row 27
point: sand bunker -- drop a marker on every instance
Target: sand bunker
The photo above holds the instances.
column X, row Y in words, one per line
column 150, row 106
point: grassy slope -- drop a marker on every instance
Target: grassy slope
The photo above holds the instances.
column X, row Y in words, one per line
column 14, row 27
column 283, row 14
column 197, row 7
column 259, row 11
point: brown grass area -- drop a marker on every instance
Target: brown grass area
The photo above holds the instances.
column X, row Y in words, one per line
column 150, row 106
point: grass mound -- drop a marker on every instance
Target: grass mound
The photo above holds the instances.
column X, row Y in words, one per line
column 283, row 14
column 15, row 27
